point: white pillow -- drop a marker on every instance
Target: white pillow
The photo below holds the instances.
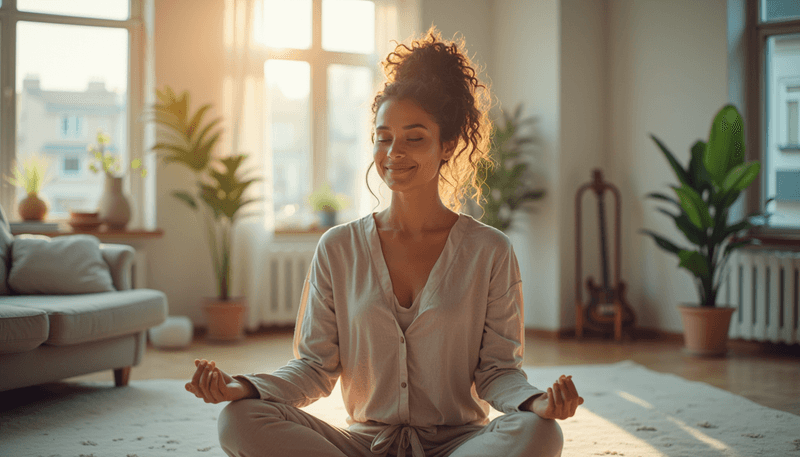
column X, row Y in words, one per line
column 69, row 264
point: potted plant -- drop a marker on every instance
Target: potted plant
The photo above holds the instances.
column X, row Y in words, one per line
column 113, row 209
column 31, row 175
column 189, row 141
column 712, row 181
column 508, row 181
column 327, row 203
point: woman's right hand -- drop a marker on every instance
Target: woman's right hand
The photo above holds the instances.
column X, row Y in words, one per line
column 214, row 385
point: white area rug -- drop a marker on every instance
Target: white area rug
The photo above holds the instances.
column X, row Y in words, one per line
column 629, row 411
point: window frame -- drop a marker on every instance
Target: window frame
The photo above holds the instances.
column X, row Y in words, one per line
column 755, row 36
column 319, row 61
column 138, row 67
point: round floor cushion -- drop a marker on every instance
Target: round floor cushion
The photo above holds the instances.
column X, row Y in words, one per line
column 175, row 332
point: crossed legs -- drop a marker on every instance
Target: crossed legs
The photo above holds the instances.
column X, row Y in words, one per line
column 257, row 428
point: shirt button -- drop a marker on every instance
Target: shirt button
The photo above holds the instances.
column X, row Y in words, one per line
column 403, row 385
column 402, row 340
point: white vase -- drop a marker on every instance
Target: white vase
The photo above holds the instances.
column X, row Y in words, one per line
column 114, row 209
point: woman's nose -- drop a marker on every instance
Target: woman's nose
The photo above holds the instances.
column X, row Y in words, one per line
column 394, row 150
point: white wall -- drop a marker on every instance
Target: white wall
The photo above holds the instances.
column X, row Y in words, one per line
column 601, row 75
column 668, row 76
column 189, row 56
column 525, row 70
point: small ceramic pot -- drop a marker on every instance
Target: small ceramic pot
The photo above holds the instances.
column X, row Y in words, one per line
column 114, row 209
column 32, row 208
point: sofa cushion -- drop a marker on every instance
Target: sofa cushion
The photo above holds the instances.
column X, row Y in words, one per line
column 63, row 265
column 5, row 248
column 21, row 329
column 76, row 319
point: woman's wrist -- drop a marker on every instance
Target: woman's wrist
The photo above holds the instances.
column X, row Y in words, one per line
column 527, row 405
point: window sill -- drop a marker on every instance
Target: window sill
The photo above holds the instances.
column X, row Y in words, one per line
column 103, row 234
column 775, row 239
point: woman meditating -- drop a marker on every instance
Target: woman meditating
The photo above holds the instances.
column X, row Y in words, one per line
column 417, row 308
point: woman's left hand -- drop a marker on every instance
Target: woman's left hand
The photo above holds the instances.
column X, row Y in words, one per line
column 560, row 401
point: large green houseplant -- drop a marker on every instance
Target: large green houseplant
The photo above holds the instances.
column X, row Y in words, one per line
column 713, row 180
column 508, row 183
column 187, row 140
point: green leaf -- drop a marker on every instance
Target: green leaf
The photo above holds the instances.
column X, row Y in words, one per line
column 725, row 149
column 662, row 242
column 660, row 196
column 186, row 198
column 701, row 181
column 681, row 174
column 194, row 123
column 695, row 263
column 694, row 206
column 741, row 176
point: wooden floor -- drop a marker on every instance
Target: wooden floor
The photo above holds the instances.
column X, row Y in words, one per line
column 765, row 373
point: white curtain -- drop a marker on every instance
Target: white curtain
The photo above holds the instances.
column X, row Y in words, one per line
column 245, row 111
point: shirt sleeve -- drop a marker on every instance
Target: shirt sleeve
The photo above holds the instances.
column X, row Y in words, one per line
column 313, row 372
column 499, row 378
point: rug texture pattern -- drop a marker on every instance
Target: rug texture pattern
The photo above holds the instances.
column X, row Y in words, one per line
column 629, row 411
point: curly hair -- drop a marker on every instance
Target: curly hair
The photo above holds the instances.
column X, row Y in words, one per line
column 440, row 78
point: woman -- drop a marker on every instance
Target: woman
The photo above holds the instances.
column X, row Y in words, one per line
column 418, row 308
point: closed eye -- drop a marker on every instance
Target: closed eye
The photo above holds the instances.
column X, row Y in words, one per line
column 415, row 139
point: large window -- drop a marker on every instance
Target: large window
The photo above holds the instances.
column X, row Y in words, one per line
column 319, row 67
column 772, row 103
column 70, row 68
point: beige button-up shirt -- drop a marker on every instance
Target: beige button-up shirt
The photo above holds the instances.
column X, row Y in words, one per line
column 461, row 353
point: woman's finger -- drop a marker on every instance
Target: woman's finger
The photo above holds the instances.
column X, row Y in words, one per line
column 216, row 387
column 197, row 372
column 204, row 384
column 557, row 396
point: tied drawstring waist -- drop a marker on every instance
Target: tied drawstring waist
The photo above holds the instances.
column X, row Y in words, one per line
column 406, row 437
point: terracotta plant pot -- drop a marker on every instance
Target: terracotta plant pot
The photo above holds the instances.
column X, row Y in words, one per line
column 225, row 319
column 32, row 208
column 705, row 330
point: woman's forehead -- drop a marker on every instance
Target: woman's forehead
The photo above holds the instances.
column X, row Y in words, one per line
column 402, row 114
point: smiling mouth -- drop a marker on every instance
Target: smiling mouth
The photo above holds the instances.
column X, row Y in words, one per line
column 399, row 169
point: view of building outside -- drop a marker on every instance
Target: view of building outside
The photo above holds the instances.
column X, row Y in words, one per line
column 60, row 125
column 782, row 161
column 71, row 82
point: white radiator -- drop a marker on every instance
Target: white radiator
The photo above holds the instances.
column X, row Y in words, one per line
column 763, row 287
column 285, row 271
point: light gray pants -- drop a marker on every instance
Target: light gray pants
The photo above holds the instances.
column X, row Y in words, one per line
column 257, row 428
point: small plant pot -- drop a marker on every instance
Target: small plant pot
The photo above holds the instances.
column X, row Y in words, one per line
column 225, row 318
column 32, row 208
column 705, row 330
column 327, row 218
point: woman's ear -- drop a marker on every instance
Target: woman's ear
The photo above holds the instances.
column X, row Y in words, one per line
column 449, row 149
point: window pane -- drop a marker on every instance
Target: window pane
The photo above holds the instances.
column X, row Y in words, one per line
column 71, row 82
column 348, row 26
column 288, row 98
column 781, row 161
column 285, row 24
column 101, row 9
column 349, row 154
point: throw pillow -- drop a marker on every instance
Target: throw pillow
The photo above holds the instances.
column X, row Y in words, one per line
column 69, row 264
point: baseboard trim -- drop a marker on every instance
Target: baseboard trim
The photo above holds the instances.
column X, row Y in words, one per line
column 650, row 334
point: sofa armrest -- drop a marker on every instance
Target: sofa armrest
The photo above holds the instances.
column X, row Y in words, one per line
column 119, row 258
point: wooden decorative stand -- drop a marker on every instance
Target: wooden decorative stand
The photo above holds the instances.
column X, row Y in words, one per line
column 606, row 309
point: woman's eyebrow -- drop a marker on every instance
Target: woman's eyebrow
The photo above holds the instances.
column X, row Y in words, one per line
column 407, row 127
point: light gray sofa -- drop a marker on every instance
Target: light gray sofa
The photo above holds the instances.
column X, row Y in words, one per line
column 48, row 337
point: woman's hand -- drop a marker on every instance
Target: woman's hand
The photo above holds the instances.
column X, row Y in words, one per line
column 560, row 401
column 214, row 385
